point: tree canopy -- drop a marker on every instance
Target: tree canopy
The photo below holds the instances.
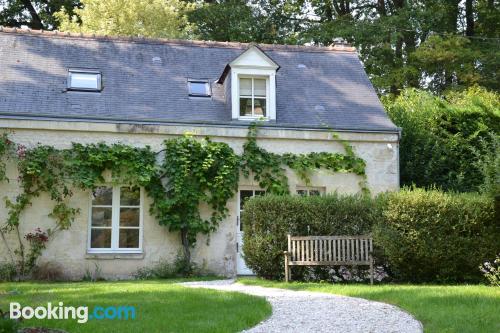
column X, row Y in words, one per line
column 148, row 18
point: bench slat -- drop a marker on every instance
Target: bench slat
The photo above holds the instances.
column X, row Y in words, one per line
column 327, row 263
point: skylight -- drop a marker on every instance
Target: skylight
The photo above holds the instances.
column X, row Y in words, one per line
column 84, row 80
column 199, row 88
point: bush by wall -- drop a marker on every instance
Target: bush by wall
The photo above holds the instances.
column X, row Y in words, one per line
column 267, row 221
column 423, row 236
column 431, row 236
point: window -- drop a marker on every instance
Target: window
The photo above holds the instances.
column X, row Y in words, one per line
column 245, row 195
column 199, row 88
column 116, row 219
column 310, row 191
column 253, row 97
column 84, row 80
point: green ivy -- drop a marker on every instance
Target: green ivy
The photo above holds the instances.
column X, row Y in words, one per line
column 268, row 168
column 6, row 150
column 196, row 172
column 191, row 173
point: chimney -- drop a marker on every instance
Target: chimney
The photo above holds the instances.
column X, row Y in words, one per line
column 340, row 43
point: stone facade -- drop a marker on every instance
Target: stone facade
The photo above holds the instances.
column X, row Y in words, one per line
column 216, row 254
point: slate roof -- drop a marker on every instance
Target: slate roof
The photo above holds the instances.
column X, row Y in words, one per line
column 145, row 81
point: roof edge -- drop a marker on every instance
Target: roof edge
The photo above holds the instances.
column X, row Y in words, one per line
column 229, row 124
column 195, row 43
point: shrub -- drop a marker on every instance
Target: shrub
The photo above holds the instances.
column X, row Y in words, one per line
column 48, row 271
column 267, row 221
column 431, row 236
column 491, row 271
column 7, row 272
column 164, row 269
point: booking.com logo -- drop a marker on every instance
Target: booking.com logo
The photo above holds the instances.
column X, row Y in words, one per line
column 81, row 313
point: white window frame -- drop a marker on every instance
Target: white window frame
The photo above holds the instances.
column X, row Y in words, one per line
column 115, row 223
column 254, row 77
column 269, row 75
column 208, row 88
column 95, row 72
column 308, row 189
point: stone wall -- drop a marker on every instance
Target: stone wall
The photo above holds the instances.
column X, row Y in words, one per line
column 216, row 254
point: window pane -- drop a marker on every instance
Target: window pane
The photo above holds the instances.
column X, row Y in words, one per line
column 302, row 193
column 259, row 86
column 130, row 196
column 84, row 80
column 101, row 216
column 100, row 238
column 129, row 217
column 199, row 88
column 102, row 196
column 245, row 87
column 244, row 196
column 314, row 192
column 245, row 106
column 260, row 107
column 129, row 238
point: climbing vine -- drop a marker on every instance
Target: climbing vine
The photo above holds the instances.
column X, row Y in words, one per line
column 268, row 168
column 184, row 175
column 196, row 172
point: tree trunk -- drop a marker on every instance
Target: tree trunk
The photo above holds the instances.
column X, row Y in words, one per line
column 36, row 22
column 381, row 7
column 186, row 246
column 469, row 17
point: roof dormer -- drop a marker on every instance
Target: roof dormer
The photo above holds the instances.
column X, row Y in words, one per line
column 253, row 85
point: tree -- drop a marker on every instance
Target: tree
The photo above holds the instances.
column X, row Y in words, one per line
column 450, row 142
column 149, row 18
column 261, row 21
column 38, row 14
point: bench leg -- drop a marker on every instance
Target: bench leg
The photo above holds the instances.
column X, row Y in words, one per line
column 286, row 268
column 371, row 271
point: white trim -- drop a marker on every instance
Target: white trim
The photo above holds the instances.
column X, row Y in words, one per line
column 115, row 223
column 269, row 75
column 253, row 57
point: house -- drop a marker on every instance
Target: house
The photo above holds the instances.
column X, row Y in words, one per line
column 60, row 88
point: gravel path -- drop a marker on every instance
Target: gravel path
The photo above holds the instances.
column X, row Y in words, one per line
column 314, row 312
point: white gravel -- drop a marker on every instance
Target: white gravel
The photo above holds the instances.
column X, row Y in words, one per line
column 311, row 312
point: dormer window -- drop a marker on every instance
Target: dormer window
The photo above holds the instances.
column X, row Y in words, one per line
column 253, row 85
column 84, row 80
column 253, row 97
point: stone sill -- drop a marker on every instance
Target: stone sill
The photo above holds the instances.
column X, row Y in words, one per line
column 112, row 256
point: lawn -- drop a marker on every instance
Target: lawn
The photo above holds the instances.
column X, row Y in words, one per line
column 161, row 306
column 441, row 309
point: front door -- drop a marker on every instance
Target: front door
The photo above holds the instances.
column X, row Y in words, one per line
column 243, row 196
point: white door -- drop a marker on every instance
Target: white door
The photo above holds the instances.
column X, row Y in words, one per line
column 243, row 195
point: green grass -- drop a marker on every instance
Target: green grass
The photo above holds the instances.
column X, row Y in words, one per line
column 161, row 306
column 441, row 309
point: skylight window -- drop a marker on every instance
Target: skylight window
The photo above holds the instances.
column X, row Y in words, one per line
column 199, row 88
column 84, row 80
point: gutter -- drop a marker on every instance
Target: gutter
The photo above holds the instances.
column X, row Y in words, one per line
column 198, row 123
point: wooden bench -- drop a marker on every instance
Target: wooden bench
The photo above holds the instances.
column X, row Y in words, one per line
column 328, row 251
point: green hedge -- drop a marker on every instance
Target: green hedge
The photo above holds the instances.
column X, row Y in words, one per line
column 268, row 220
column 431, row 236
column 423, row 236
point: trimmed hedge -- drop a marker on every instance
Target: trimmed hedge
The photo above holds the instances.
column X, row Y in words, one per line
column 431, row 236
column 269, row 219
column 423, row 236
